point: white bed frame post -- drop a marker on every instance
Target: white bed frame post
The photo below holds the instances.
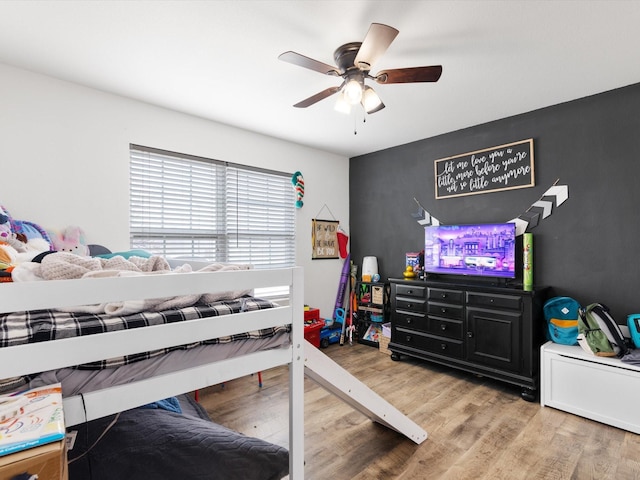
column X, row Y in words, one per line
column 296, row 378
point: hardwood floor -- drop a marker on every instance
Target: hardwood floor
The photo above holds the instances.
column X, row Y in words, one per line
column 478, row 428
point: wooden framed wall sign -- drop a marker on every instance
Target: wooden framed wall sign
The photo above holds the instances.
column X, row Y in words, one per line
column 505, row 167
column 324, row 237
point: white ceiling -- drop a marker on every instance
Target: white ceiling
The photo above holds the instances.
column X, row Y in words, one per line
column 219, row 59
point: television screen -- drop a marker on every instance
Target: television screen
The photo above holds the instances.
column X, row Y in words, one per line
column 485, row 250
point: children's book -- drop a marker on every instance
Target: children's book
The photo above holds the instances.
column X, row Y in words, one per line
column 372, row 333
column 31, row 418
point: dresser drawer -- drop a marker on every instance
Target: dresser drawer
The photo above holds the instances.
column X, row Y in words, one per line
column 414, row 321
column 494, row 300
column 411, row 304
column 410, row 291
column 428, row 343
column 445, row 295
column 445, row 310
column 445, row 327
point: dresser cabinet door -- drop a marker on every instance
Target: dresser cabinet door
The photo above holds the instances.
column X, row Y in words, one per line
column 493, row 337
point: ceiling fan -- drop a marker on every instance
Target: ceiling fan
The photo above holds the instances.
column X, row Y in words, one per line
column 354, row 62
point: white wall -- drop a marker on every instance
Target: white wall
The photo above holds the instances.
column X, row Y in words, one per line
column 64, row 151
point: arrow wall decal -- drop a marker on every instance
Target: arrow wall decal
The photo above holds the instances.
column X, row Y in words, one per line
column 423, row 217
column 556, row 195
column 545, row 206
column 560, row 192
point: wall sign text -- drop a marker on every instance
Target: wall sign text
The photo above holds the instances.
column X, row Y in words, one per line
column 505, row 167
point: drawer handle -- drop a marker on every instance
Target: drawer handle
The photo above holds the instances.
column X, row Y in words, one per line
column 443, row 327
column 409, row 305
column 470, row 334
column 409, row 292
column 443, row 346
column 409, row 321
column 443, row 295
column 444, row 310
column 409, row 338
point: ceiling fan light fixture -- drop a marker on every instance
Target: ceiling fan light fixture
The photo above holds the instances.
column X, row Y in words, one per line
column 342, row 105
column 370, row 100
column 353, row 63
column 353, row 91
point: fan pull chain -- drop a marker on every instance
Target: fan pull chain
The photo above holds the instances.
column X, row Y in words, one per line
column 355, row 122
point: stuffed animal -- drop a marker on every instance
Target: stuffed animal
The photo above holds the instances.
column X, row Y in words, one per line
column 298, row 185
column 19, row 242
column 8, row 255
column 7, row 251
column 7, row 235
column 29, row 231
column 71, row 239
column 5, row 225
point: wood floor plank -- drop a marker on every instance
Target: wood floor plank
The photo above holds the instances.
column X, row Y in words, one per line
column 629, row 464
column 523, row 455
column 478, row 428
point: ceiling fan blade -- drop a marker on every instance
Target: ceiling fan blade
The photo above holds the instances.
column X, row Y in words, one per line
column 409, row 75
column 317, row 97
column 310, row 63
column 375, row 43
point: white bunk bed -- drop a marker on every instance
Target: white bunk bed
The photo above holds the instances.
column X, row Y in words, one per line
column 33, row 358
column 300, row 356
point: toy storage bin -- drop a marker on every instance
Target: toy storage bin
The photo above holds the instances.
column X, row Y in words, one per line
column 383, row 345
column 569, row 374
column 312, row 332
column 311, row 314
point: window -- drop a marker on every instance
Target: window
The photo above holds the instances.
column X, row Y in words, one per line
column 190, row 207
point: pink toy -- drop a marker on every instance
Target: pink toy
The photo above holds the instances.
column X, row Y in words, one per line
column 71, row 239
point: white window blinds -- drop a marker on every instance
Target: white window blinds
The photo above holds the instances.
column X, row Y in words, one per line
column 189, row 207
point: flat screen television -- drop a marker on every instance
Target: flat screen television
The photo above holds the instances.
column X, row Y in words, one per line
column 486, row 250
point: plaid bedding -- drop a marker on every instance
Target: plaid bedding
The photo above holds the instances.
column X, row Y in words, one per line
column 44, row 325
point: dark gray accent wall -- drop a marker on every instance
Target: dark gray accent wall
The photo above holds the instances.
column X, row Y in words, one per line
column 589, row 248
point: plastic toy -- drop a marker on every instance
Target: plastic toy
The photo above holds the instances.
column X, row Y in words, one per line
column 330, row 334
column 409, row 273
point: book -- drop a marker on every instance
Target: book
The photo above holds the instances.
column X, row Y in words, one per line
column 31, row 418
column 372, row 333
column 412, row 259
